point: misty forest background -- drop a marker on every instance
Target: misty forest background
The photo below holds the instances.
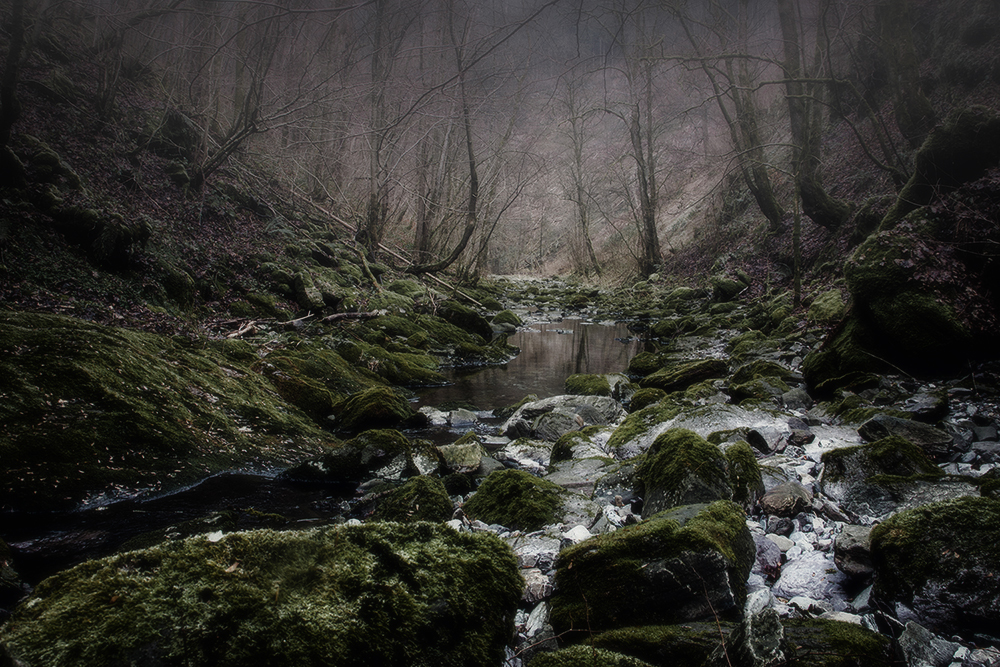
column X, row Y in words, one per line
column 604, row 138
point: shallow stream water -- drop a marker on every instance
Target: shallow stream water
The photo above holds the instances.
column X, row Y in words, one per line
column 550, row 352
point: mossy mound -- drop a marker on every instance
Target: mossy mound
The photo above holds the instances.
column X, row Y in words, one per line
column 422, row 498
column 465, row 318
column 507, row 317
column 89, row 408
column 638, row 424
column 585, row 656
column 823, row 643
column 516, row 499
column 688, row 644
column 682, row 565
column 645, row 397
column 372, row 408
column 584, row 384
column 682, row 468
column 943, row 561
column 682, row 376
column 378, row 594
column 827, row 308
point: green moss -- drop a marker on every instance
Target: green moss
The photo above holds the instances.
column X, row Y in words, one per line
column 744, row 473
column 507, row 317
column 893, row 456
column 827, row 308
column 382, row 593
column 823, row 643
column 688, row 644
column 585, row 656
column 645, row 363
column 617, row 579
column 584, row 384
column 639, row 422
column 684, row 375
column 562, row 450
column 516, row 499
column 374, row 407
column 422, row 498
column 88, row 407
column 645, row 397
column 680, row 468
column 936, row 543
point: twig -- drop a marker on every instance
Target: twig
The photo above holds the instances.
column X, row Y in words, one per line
column 337, row 317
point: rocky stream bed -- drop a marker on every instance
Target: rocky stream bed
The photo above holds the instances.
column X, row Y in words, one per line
column 705, row 505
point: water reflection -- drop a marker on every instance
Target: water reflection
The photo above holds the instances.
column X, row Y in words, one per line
column 550, row 352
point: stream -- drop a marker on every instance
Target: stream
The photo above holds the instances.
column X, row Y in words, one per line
column 551, row 351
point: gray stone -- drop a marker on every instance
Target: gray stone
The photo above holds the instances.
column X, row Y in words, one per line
column 780, row 525
column 537, row 585
column 572, row 413
column 768, row 562
column 782, row 542
column 815, row 576
column 922, row 648
column 461, row 458
column 852, row 552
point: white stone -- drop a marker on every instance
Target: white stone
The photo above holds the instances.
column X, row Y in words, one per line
column 783, row 542
column 577, row 534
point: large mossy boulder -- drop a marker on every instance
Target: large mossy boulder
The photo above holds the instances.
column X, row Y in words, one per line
column 827, row 643
column 687, row 644
column 516, row 499
column 682, row 468
column 681, row 376
column 686, row 564
column 465, row 318
column 940, row 564
column 551, row 418
column 887, row 476
column 88, row 408
column 378, row 594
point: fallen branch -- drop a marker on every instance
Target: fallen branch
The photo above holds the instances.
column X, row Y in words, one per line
column 247, row 329
column 337, row 317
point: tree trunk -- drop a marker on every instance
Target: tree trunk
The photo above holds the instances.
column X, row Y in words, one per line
column 915, row 116
column 817, row 203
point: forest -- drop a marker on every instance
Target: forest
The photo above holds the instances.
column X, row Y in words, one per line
column 523, row 333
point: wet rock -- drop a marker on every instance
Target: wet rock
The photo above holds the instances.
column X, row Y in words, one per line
column 686, row 564
column 294, row 597
column 550, row 418
column 465, row 318
column 537, row 586
column 932, row 440
column 768, row 561
column 852, row 552
column 384, row 453
column 530, row 455
column 922, row 648
column 682, row 468
column 940, row 565
column 461, row 458
column 786, row 500
column 814, row 576
column 780, row 525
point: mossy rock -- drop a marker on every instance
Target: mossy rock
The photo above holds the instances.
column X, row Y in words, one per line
column 465, row 318
column 313, row 377
column 377, row 594
column 88, row 407
column 422, row 498
column 645, row 397
column 725, row 288
column 516, row 499
column 744, row 474
column 646, row 363
column 761, row 368
column 408, row 288
column 845, row 359
column 374, row 407
column 847, row 471
column 943, row 561
column 683, row 375
column 688, row 644
column 588, row 384
column 639, row 423
column 585, row 656
column 682, row 468
column 682, row 565
column 825, row 643
column 827, row 308
column 507, row 317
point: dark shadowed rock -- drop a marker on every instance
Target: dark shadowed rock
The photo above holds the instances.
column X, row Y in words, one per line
column 786, row 500
column 852, row 552
column 932, row 440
